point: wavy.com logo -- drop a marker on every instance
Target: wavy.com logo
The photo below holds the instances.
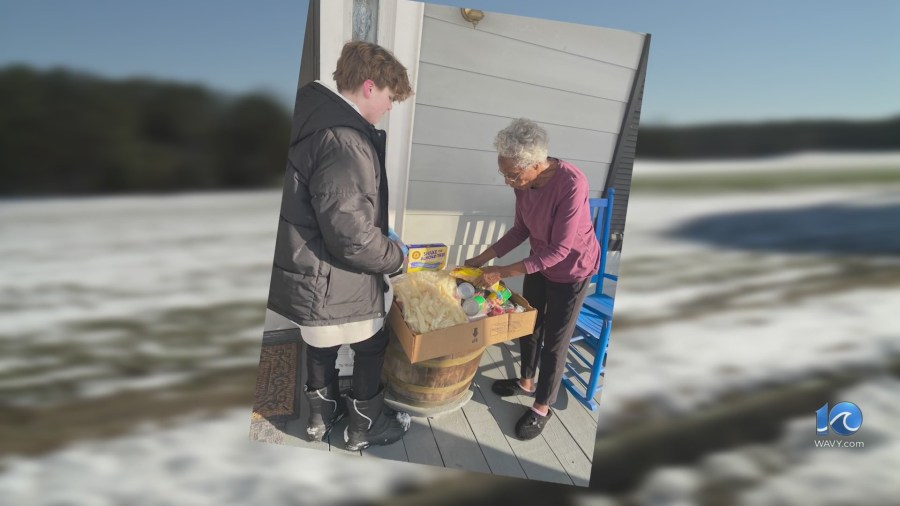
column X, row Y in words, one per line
column 844, row 419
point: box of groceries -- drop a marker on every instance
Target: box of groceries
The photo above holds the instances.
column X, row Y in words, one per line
column 443, row 312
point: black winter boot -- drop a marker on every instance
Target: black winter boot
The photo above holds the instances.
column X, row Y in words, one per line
column 326, row 408
column 372, row 423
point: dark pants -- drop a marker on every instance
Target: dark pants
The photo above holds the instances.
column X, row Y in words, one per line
column 368, row 360
column 558, row 305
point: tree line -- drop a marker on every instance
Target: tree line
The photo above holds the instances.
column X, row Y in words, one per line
column 67, row 132
column 720, row 141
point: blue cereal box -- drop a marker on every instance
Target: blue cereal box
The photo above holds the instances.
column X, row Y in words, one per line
column 432, row 257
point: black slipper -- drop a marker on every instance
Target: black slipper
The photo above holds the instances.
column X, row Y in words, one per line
column 507, row 387
column 532, row 424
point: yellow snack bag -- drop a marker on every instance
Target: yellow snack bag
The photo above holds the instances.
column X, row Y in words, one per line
column 472, row 274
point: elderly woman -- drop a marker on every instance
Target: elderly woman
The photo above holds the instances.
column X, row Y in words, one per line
column 553, row 213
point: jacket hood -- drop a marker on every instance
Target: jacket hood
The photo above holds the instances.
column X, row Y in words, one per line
column 317, row 108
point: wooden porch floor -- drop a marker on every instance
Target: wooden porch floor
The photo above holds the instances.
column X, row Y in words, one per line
column 479, row 437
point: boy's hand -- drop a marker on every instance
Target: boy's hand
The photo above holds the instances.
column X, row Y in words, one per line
column 396, row 238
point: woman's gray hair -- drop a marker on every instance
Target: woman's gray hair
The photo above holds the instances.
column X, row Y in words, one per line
column 524, row 141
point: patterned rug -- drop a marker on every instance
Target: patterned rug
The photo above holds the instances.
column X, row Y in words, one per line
column 276, row 391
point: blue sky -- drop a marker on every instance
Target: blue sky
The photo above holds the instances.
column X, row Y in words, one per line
column 709, row 60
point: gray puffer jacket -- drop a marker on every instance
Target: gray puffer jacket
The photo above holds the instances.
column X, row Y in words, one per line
column 332, row 250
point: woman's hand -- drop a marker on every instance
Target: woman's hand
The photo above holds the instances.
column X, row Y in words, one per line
column 490, row 276
column 479, row 260
column 474, row 262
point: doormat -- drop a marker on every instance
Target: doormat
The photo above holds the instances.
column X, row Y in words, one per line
column 276, row 392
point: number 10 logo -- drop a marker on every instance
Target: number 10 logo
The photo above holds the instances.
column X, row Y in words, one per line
column 845, row 419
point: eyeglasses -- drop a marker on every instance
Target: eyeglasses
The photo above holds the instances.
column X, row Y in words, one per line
column 511, row 179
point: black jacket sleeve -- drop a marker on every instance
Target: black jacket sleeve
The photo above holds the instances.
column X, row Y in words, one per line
column 344, row 198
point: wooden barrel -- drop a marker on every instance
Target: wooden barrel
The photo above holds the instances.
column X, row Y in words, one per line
column 430, row 383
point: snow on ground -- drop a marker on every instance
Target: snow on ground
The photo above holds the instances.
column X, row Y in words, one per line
column 698, row 320
column 792, row 470
column 704, row 320
column 200, row 462
column 72, row 260
column 681, row 365
column 807, row 162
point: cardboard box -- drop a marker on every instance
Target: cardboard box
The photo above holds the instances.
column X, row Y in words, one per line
column 464, row 337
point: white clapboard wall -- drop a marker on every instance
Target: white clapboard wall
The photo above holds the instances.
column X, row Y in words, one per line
column 574, row 80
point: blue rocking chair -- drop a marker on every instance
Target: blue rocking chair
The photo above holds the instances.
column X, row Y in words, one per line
column 595, row 319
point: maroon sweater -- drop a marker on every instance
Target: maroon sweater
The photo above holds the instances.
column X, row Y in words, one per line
column 556, row 218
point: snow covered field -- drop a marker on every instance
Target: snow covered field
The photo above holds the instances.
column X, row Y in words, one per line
column 98, row 296
column 795, row 162
column 697, row 321
column 720, row 295
column 199, row 462
column 793, row 470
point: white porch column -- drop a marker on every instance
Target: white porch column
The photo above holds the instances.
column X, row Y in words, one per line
column 400, row 30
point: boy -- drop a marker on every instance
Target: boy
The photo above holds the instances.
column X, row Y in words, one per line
column 332, row 251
